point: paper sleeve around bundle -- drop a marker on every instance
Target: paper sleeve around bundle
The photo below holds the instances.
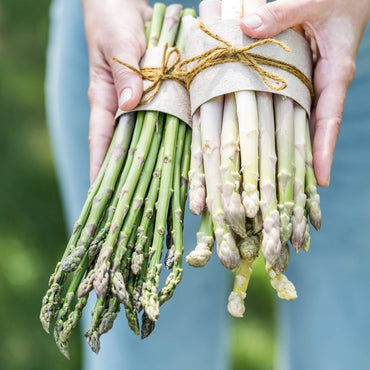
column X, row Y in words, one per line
column 172, row 97
column 221, row 79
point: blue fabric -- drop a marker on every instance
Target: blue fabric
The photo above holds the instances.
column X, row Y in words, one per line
column 326, row 328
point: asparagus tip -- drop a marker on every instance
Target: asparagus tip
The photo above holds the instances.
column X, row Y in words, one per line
column 236, row 306
column 285, row 289
column 147, row 326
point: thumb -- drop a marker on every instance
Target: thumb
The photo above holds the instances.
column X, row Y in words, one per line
column 270, row 19
column 128, row 84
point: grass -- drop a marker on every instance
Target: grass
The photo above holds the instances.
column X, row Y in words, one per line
column 32, row 232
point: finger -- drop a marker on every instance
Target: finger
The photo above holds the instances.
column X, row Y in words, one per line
column 128, row 84
column 272, row 18
column 103, row 105
column 331, row 91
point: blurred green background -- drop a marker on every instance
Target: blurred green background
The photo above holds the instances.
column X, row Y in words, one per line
column 32, row 231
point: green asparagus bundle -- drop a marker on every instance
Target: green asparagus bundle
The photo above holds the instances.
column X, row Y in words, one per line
column 117, row 243
column 252, row 175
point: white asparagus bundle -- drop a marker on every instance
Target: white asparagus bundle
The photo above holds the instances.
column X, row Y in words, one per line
column 257, row 161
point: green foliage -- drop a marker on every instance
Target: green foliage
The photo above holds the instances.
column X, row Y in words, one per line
column 32, row 233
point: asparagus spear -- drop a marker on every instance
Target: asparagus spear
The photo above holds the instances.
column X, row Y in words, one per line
column 230, row 165
column 137, row 291
column 197, row 192
column 248, row 126
column 150, row 295
column 101, row 200
column 138, row 256
column 105, row 311
column 281, row 263
column 96, row 245
column 205, row 241
column 63, row 329
column 177, row 219
column 173, row 216
column 185, row 164
column 60, row 325
column 134, row 211
column 284, row 118
column 271, row 245
column 211, row 120
column 313, row 198
column 249, row 248
column 307, row 238
column 299, row 220
column 51, row 300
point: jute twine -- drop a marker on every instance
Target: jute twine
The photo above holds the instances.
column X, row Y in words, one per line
column 219, row 54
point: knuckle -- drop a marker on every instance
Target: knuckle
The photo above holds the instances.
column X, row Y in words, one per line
column 100, row 136
column 92, row 93
column 275, row 12
column 348, row 69
column 332, row 123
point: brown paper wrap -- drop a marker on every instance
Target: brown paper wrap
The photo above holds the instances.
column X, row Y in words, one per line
column 225, row 78
column 172, row 98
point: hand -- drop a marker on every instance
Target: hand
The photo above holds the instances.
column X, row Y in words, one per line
column 334, row 29
column 114, row 28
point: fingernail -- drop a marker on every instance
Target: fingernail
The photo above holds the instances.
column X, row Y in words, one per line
column 126, row 95
column 252, row 21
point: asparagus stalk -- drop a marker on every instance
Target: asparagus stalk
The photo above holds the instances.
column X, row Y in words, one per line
column 108, row 317
column 185, row 164
column 313, row 198
column 61, row 322
column 134, row 211
column 271, row 245
column 211, row 115
column 248, row 128
column 96, row 245
column 139, row 255
column 230, row 165
column 284, row 118
column 281, row 263
column 249, row 248
column 307, row 238
column 102, row 264
column 197, row 191
column 150, row 295
column 105, row 311
column 51, row 300
column 299, row 220
column 137, row 291
column 170, row 255
column 104, row 194
column 205, row 241
column 177, row 212
column 173, row 216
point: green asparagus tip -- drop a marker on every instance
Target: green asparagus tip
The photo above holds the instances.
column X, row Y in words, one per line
column 93, row 341
column 147, row 326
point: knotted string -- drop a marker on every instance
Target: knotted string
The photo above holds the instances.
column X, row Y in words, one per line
column 220, row 54
column 157, row 75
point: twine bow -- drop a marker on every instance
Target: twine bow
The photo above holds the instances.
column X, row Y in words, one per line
column 157, row 75
column 219, row 54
